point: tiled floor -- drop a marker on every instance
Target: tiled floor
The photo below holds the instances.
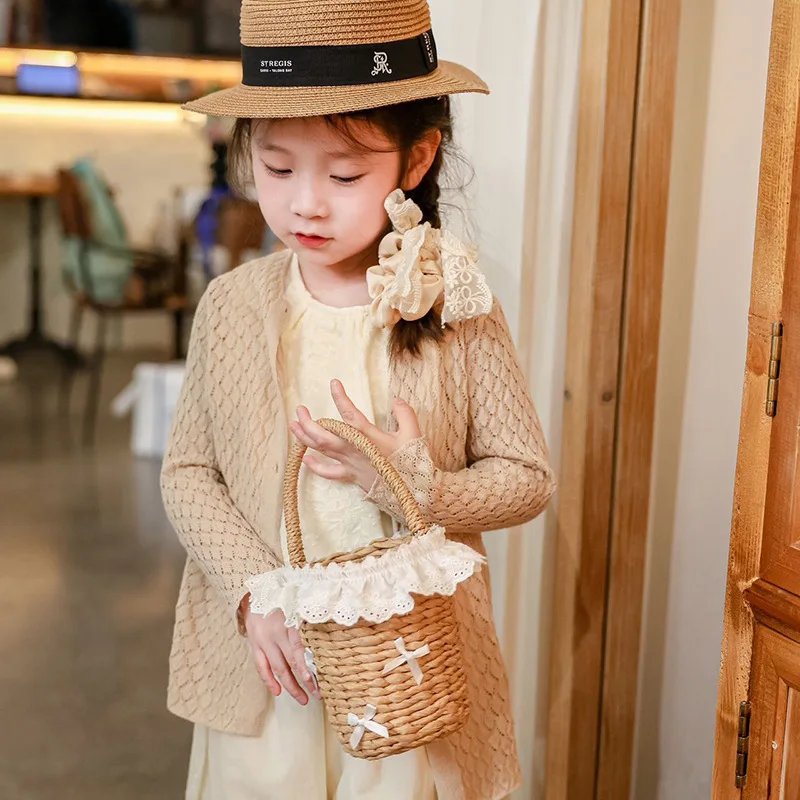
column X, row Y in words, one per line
column 89, row 572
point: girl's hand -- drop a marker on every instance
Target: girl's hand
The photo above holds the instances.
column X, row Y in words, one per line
column 347, row 464
column 279, row 655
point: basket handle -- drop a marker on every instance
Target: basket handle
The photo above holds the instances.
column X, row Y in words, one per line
column 411, row 510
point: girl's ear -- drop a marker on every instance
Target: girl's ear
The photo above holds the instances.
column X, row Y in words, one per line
column 420, row 159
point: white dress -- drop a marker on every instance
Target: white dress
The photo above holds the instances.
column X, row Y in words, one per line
column 298, row 755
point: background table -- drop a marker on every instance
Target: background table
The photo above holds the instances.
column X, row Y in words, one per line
column 35, row 189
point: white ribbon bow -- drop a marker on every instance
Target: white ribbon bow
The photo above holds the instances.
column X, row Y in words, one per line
column 312, row 667
column 421, row 268
column 408, row 658
column 365, row 724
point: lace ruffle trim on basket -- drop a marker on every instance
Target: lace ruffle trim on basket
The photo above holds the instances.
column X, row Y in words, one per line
column 374, row 589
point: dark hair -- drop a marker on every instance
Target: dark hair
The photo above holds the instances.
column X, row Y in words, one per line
column 405, row 125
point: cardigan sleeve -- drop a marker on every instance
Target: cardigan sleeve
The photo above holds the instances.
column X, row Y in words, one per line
column 508, row 480
column 196, row 497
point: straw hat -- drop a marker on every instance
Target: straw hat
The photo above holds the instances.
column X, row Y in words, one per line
column 311, row 57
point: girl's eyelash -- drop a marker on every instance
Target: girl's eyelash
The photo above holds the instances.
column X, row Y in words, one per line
column 347, row 180
column 282, row 173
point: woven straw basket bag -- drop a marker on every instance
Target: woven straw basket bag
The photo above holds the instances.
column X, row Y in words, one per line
column 392, row 685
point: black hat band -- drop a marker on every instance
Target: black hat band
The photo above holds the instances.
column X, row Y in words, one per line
column 339, row 65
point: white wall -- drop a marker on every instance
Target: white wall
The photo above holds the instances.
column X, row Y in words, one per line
column 719, row 114
column 144, row 161
column 520, row 141
column 494, row 201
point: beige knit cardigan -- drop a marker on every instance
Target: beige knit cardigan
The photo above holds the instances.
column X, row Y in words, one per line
column 481, row 465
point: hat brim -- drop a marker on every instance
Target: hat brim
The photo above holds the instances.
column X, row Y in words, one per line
column 278, row 102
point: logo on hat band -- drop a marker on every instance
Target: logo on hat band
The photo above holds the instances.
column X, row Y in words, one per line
column 381, row 64
column 339, row 65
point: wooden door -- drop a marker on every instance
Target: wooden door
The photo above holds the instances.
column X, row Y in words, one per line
column 758, row 713
column 623, row 162
column 771, row 719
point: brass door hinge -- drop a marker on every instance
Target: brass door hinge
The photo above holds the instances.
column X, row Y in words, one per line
column 743, row 743
column 774, row 374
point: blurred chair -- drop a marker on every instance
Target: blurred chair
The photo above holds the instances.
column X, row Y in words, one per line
column 157, row 283
column 241, row 228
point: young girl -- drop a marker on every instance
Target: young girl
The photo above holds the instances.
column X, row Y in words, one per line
column 375, row 314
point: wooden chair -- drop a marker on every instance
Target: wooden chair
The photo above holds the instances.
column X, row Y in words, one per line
column 157, row 283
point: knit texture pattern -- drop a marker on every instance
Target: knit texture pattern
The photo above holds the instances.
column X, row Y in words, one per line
column 481, row 465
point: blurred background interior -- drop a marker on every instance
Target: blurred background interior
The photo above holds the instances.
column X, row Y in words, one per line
column 115, row 213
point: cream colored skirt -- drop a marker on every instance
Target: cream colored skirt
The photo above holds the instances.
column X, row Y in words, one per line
column 298, row 757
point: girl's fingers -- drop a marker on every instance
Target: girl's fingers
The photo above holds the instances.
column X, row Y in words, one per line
column 298, row 659
column 331, row 472
column 264, row 671
column 348, row 410
column 407, row 421
column 323, row 441
column 297, row 429
column 283, row 672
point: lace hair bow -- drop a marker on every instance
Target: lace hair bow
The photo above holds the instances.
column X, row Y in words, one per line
column 421, row 268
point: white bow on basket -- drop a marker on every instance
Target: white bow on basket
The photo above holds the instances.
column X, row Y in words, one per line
column 308, row 657
column 365, row 723
column 421, row 268
column 410, row 658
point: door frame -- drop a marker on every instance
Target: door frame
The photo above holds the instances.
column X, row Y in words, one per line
column 771, row 242
column 624, row 147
